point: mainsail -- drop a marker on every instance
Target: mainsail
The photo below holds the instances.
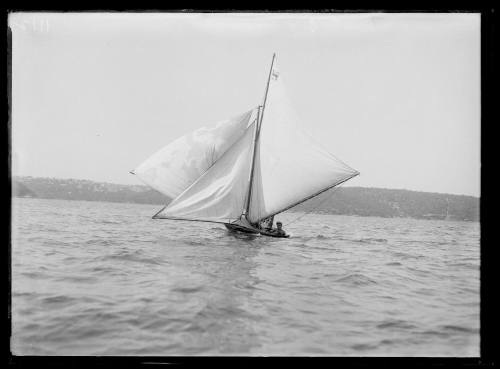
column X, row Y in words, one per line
column 290, row 166
column 248, row 168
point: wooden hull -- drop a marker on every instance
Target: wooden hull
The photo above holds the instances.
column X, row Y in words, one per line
column 271, row 234
column 250, row 230
column 238, row 228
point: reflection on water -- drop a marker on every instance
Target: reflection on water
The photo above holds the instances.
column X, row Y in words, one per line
column 226, row 283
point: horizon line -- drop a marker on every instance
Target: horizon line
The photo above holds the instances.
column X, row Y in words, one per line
column 144, row 185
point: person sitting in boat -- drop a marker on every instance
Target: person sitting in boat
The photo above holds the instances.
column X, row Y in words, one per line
column 279, row 230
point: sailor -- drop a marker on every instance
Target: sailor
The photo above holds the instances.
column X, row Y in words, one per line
column 279, row 231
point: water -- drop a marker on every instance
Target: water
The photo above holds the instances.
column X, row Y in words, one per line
column 95, row 278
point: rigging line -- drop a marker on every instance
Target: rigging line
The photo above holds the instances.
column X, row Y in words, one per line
column 228, row 221
column 315, row 207
column 316, row 194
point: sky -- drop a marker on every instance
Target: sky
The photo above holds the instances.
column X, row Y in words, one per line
column 395, row 96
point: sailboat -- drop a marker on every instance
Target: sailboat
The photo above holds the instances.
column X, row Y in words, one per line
column 243, row 171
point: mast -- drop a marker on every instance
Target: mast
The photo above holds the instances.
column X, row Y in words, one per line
column 250, row 177
column 267, row 89
column 260, row 115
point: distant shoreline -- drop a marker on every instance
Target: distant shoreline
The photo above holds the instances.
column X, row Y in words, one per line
column 357, row 201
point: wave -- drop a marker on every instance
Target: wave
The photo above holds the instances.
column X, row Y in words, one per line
column 134, row 257
column 446, row 331
column 405, row 255
column 201, row 241
column 462, row 329
column 99, row 242
column 465, row 265
column 35, row 275
column 356, row 279
column 187, row 289
column 59, row 299
column 23, row 294
column 102, row 269
column 435, row 333
column 309, row 238
column 104, row 221
column 363, row 346
column 370, row 240
column 395, row 324
column 78, row 279
column 311, row 247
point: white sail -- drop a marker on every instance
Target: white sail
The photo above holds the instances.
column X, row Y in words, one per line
column 219, row 194
column 208, row 172
column 290, row 166
column 176, row 166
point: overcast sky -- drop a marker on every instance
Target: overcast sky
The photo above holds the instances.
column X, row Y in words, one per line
column 395, row 96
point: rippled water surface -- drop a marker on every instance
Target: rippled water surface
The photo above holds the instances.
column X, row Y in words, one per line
column 95, row 278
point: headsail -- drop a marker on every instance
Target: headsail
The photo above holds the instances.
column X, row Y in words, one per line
column 219, row 194
column 290, row 166
column 176, row 166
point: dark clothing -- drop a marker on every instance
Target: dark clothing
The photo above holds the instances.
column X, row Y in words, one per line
column 280, row 232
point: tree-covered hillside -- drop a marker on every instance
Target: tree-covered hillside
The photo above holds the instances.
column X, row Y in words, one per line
column 344, row 200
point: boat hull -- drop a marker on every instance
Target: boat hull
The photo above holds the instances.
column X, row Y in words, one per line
column 272, row 234
column 250, row 230
column 239, row 228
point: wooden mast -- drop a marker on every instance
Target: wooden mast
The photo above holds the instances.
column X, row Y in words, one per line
column 267, row 89
column 260, row 115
